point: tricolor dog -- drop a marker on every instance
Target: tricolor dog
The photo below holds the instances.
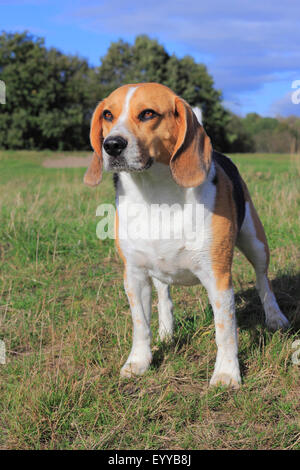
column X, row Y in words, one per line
column 153, row 141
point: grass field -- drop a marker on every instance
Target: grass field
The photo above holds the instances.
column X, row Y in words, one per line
column 66, row 325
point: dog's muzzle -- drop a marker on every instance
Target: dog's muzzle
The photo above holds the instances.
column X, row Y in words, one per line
column 115, row 145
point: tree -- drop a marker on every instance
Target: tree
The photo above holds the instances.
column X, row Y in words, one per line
column 147, row 61
column 240, row 140
column 281, row 135
column 48, row 95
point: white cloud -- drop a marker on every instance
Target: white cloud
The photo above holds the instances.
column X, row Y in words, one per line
column 285, row 106
column 249, row 42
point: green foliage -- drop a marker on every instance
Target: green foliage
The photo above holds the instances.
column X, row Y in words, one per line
column 48, row 99
column 255, row 123
column 263, row 134
column 50, row 96
column 144, row 61
column 238, row 136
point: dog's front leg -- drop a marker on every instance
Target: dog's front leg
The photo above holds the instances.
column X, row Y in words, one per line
column 138, row 289
column 227, row 370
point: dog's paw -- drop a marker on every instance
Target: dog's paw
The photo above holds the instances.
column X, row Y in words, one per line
column 227, row 372
column 276, row 321
column 165, row 336
column 138, row 363
column 130, row 369
column 229, row 380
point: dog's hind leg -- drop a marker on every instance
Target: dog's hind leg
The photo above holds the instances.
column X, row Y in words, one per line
column 165, row 310
column 253, row 244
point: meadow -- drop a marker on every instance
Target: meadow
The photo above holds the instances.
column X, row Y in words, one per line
column 66, row 325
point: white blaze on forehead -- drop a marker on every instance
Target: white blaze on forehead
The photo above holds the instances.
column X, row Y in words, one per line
column 124, row 114
column 131, row 153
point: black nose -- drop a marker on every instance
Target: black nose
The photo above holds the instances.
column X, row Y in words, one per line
column 114, row 145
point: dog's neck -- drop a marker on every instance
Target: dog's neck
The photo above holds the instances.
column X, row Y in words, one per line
column 157, row 186
column 154, row 185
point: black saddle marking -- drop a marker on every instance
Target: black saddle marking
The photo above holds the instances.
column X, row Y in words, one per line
column 115, row 180
column 233, row 174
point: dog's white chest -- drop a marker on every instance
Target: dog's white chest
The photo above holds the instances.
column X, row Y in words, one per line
column 164, row 228
column 158, row 248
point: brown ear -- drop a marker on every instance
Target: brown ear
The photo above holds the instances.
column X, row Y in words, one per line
column 191, row 157
column 93, row 174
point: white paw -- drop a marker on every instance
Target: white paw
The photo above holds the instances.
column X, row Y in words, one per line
column 276, row 320
column 229, row 380
column 131, row 369
column 227, row 372
column 165, row 335
column 135, row 365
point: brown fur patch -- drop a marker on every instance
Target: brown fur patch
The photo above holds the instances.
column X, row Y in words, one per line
column 156, row 137
column 224, row 231
column 115, row 104
column 117, row 240
column 93, row 175
column 191, row 159
column 96, row 136
column 129, row 294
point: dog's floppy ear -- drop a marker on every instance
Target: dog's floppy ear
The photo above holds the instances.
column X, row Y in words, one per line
column 93, row 174
column 192, row 153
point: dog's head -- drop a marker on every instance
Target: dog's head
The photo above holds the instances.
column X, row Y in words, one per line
column 141, row 123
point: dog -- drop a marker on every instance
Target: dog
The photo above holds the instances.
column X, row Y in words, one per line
column 161, row 155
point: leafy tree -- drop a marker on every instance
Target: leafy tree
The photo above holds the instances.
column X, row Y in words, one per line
column 293, row 124
column 144, row 61
column 240, row 140
column 147, row 61
column 273, row 134
column 48, row 95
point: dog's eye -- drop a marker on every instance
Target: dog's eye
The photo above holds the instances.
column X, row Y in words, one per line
column 147, row 114
column 107, row 115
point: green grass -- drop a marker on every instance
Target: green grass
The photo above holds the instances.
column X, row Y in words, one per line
column 67, row 327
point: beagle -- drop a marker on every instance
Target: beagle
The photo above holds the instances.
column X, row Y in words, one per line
column 152, row 140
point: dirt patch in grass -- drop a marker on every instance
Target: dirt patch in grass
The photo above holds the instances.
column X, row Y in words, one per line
column 67, row 162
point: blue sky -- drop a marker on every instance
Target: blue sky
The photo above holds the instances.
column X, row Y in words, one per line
column 251, row 48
